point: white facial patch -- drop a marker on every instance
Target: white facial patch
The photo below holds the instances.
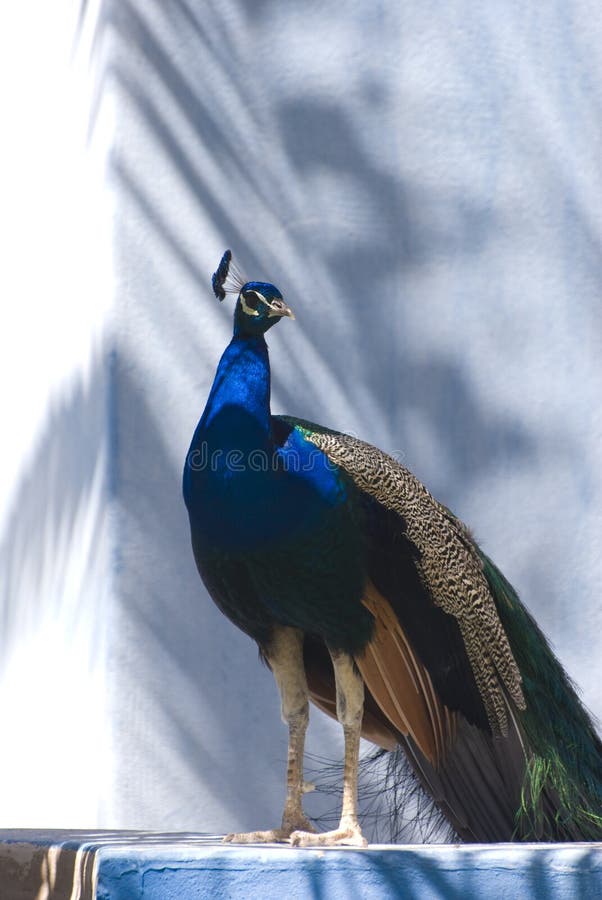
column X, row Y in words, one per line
column 247, row 309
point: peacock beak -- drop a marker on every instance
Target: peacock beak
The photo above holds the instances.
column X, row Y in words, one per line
column 279, row 308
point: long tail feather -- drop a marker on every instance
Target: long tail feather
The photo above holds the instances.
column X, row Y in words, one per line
column 561, row 796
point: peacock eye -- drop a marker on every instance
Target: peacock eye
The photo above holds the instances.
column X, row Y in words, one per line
column 251, row 299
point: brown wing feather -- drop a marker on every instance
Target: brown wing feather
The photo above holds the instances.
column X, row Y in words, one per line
column 401, row 685
column 400, row 697
column 450, row 565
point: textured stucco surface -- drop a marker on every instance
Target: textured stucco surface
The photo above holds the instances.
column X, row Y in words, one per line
column 155, row 866
column 422, row 181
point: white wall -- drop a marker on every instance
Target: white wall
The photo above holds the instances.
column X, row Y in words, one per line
column 56, row 284
column 421, row 181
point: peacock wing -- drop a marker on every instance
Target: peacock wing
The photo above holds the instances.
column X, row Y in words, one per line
column 439, row 670
column 426, row 565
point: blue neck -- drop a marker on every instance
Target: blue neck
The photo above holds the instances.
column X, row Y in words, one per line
column 237, row 414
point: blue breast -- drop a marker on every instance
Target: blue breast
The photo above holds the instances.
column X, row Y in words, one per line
column 241, row 486
column 273, row 527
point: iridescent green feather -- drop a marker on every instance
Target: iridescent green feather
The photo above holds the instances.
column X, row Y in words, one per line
column 562, row 791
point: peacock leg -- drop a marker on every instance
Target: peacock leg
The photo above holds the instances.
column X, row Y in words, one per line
column 350, row 707
column 285, row 656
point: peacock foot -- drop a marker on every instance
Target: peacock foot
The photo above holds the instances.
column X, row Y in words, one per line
column 343, row 836
column 274, row 835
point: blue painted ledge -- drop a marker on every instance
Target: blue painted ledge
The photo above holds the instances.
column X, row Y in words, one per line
column 126, row 865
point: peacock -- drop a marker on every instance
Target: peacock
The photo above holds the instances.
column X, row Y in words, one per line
column 371, row 599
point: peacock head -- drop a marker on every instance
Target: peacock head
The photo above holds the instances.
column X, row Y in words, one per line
column 259, row 305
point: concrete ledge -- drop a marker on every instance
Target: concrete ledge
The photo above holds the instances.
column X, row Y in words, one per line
column 126, row 865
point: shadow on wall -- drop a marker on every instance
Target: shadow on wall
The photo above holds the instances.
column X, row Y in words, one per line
column 197, row 692
column 55, row 528
column 314, row 136
column 54, row 598
column 199, row 710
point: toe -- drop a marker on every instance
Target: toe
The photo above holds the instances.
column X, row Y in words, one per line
column 273, row 836
column 341, row 837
